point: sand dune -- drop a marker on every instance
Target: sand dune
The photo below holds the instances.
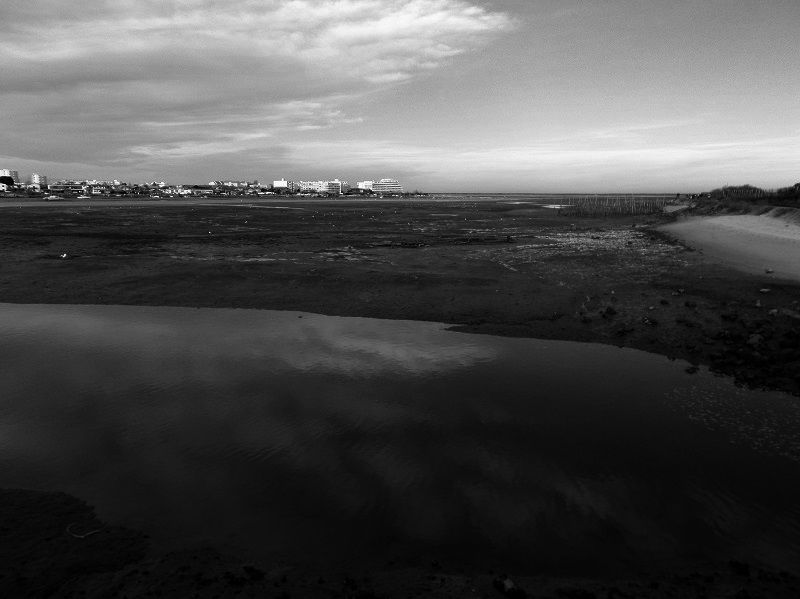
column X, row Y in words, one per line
column 749, row 243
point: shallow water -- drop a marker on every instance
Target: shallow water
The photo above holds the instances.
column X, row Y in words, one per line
column 312, row 438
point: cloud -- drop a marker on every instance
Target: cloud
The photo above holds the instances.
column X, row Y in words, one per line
column 178, row 40
column 121, row 80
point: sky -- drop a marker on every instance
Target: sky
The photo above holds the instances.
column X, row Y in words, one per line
column 443, row 95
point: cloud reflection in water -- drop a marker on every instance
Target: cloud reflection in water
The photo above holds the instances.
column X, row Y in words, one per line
column 322, row 436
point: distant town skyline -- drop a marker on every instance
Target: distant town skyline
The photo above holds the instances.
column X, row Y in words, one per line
column 444, row 95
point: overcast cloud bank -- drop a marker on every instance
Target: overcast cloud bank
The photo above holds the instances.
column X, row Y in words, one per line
column 507, row 95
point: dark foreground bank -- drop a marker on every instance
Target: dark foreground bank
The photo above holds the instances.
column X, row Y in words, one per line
column 53, row 545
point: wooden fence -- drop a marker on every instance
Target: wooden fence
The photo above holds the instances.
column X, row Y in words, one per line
column 613, row 205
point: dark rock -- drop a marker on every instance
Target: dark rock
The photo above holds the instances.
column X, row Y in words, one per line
column 755, row 339
column 608, row 312
column 739, row 568
column 349, row 583
column 575, row 593
column 253, row 573
column 507, row 587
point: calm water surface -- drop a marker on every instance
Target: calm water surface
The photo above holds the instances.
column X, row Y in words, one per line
column 311, row 438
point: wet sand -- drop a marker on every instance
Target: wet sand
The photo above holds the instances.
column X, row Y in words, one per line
column 750, row 243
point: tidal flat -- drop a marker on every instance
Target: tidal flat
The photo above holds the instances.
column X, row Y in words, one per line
column 499, row 268
column 505, row 267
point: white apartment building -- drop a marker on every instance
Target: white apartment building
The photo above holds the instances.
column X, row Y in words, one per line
column 387, row 186
column 313, row 186
column 37, row 179
column 4, row 172
column 365, row 185
column 334, row 187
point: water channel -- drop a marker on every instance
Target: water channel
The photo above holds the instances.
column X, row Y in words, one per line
column 316, row 438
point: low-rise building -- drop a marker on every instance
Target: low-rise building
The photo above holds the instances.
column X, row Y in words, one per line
column 334, row 187
column 313, row 186
column 75, row 187
column 387, row 186
column 285, row 186
column 200, row 190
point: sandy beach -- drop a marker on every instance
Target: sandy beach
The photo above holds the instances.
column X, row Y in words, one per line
column 753, row 244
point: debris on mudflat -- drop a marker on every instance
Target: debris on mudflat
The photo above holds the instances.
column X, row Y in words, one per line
column 608, row 312
column 507, row 587
column 755, row 339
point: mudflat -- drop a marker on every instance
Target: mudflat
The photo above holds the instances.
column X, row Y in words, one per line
column 495, row 267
